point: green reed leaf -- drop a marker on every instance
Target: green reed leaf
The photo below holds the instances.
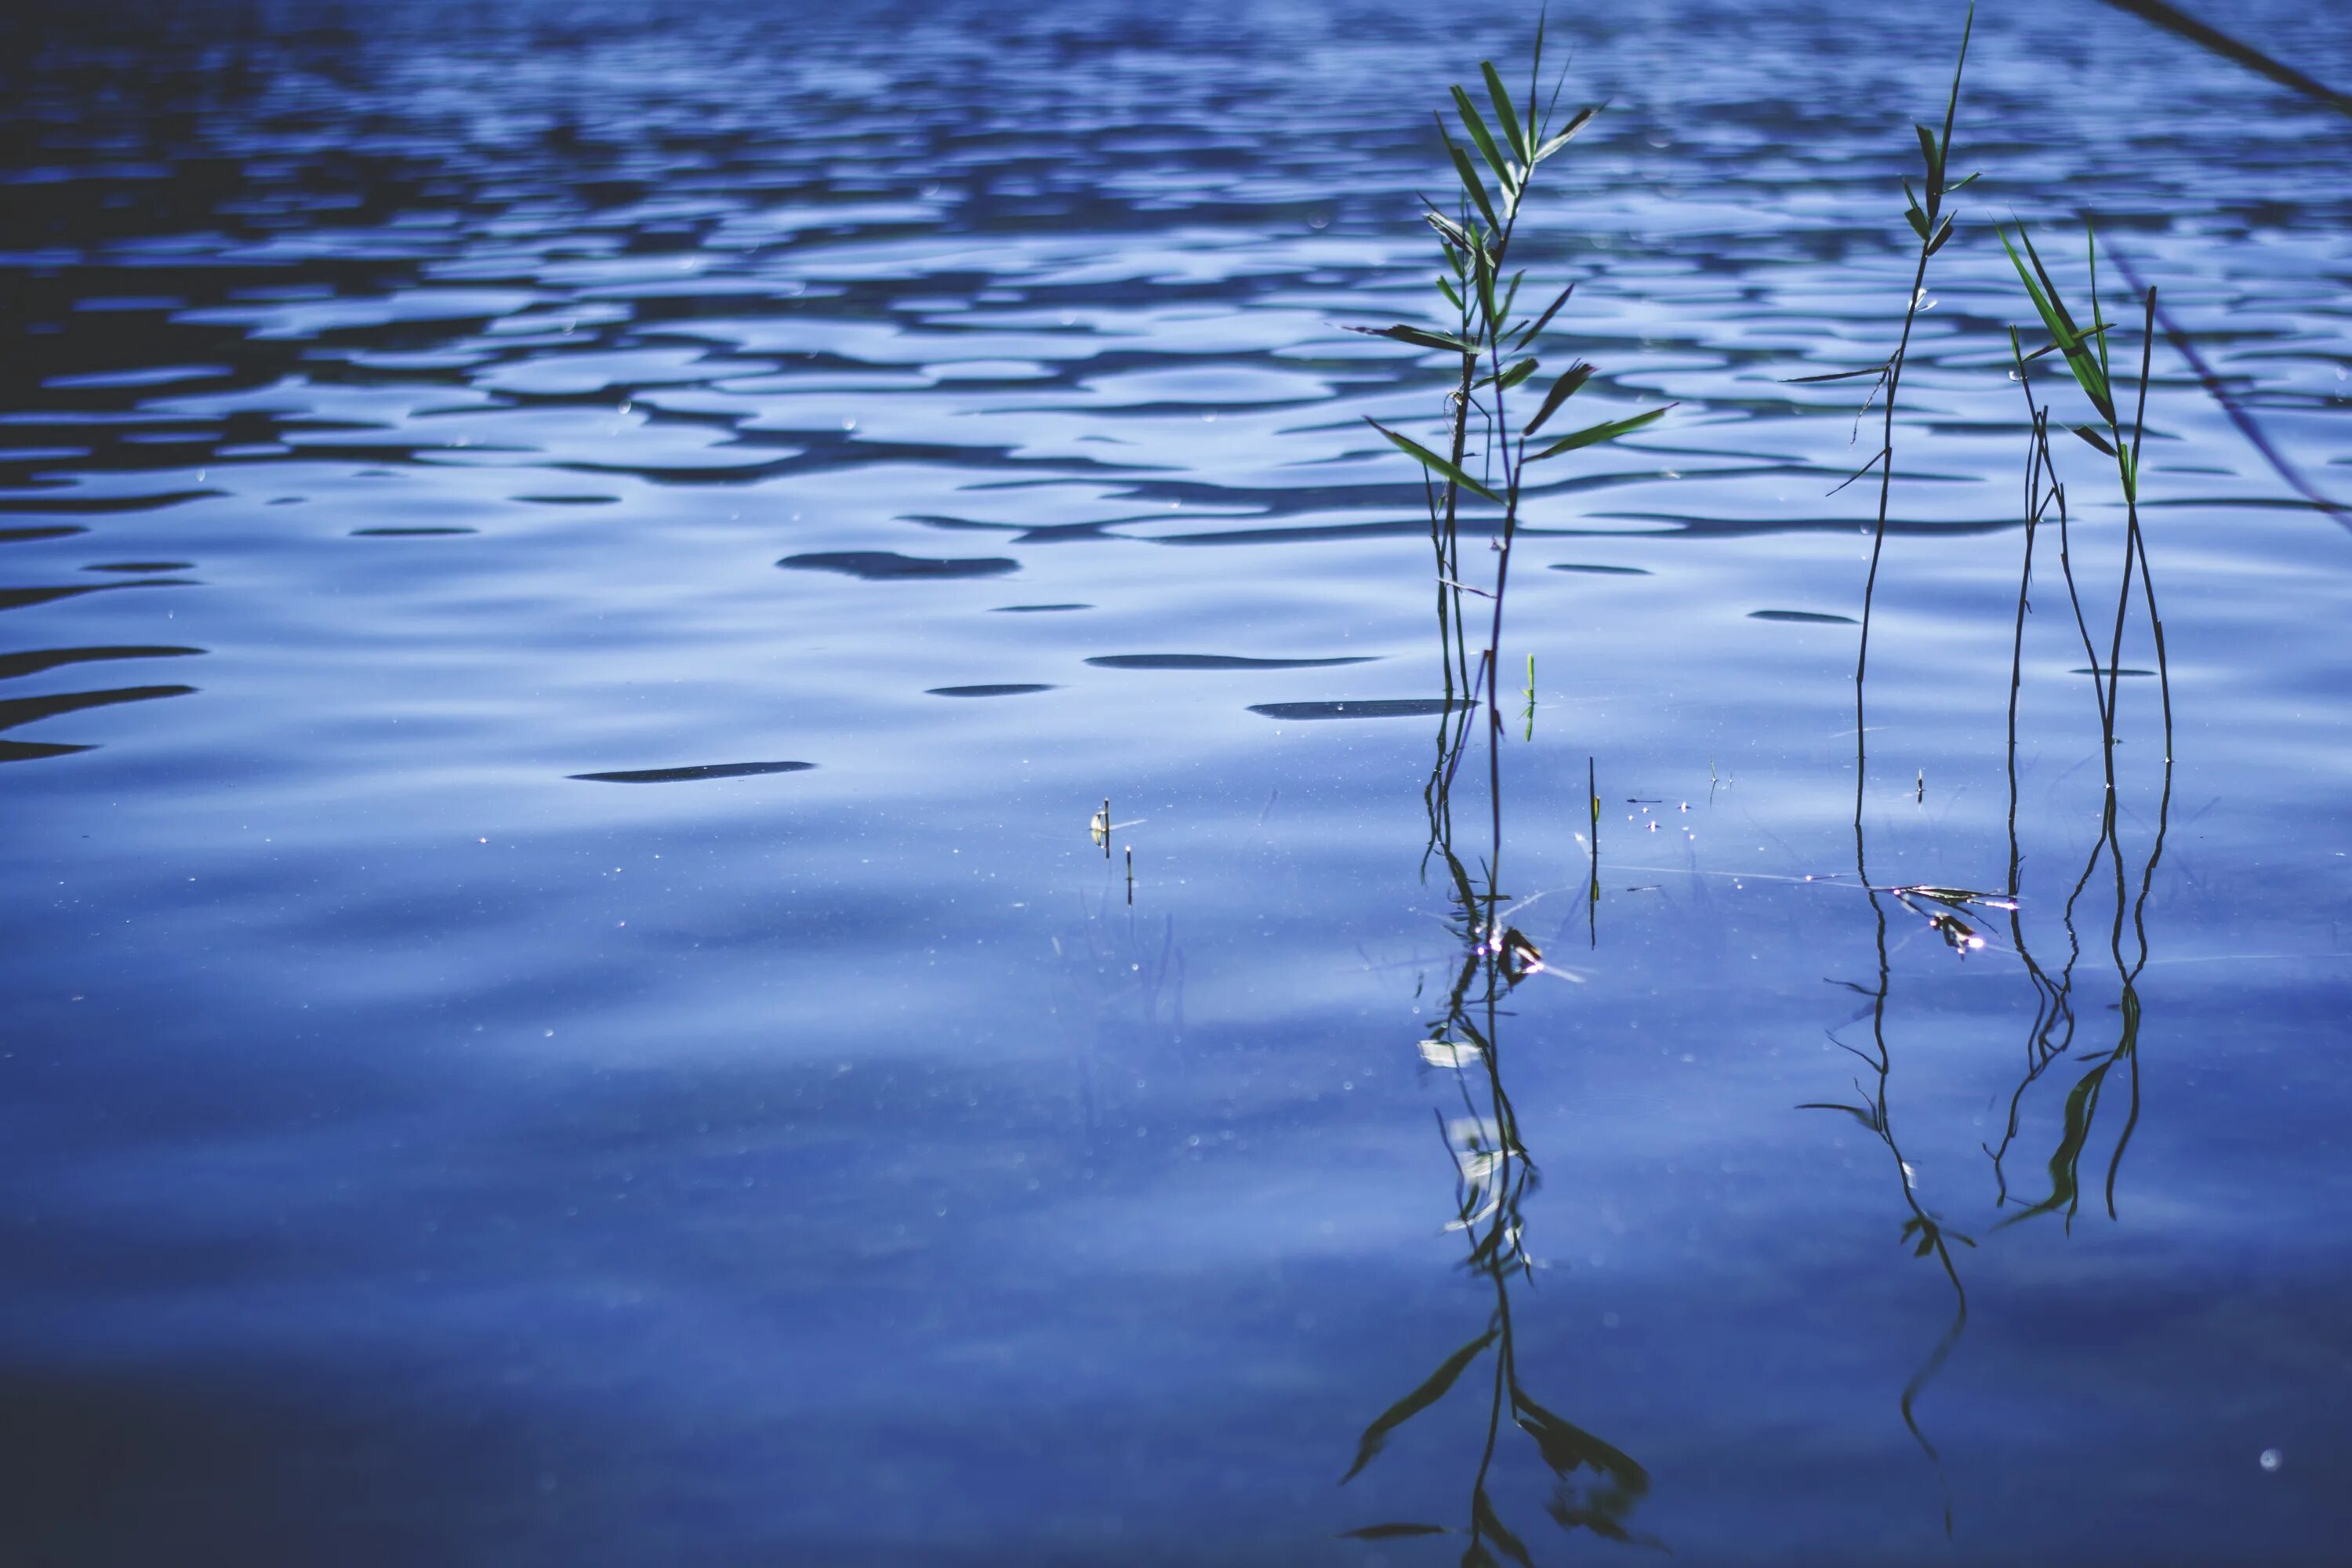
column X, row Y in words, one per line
column 1433, row 463
column 1934, row 160
column 1421, row 337
column 2070, row 341
column 1504, row 115
column 2096, row 439
column 1527, row 335
column 1471, row 185
column 1592, row 435
column 1561, row 391
column 1512, row 374
column 1840, row 375
column 1432, row 1389
column 1576, row 123
column 1484, row 140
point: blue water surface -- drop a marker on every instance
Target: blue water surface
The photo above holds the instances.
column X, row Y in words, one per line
column 573, row 576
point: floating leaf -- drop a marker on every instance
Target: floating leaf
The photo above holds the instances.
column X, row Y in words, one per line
column 1592, row 434
column 1432, row 1389
column 1433, row 463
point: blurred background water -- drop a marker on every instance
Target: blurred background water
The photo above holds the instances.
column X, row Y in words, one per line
column 868, row 437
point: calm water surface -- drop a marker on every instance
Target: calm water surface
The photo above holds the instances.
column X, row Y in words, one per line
column 571, row 578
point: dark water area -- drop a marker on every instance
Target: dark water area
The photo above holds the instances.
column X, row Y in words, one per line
column 884, row 438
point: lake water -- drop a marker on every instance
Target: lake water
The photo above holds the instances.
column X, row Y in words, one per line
column 573, row 576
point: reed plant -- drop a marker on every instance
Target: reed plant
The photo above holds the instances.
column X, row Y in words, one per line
column 1479, row 287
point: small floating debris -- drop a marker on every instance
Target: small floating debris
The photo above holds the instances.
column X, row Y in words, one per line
column 1035, row 609
column 1600, row 571
column 2088, row 670
column 699, row 771
column 885, row 565
column 409, row 533
column 1803, row 617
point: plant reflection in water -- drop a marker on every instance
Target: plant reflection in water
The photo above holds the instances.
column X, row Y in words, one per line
column 1595, row 1486
column 1952, row 912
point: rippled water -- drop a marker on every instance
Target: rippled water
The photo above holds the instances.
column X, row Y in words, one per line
column 572, row 578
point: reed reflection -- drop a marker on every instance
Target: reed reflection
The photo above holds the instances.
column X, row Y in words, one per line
column 1963, row 917
column 1594, row 1484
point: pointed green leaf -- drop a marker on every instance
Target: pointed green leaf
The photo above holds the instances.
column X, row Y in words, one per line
column 1433, row 463
column 1527, row 335
column 1943, row 232
column 1471, row 185
column 1582, row 118
column 1421, row 337
column 1935, row 157
column 1484, row 140
column 1445, row 287
column 1453, row 233
column 1917, row 216
column 1836, row 376
column 1592, row 435
column 1561, row 391
column 2095, row 439
column 1512, row 374
column 1432, row 1389
column 2042, row 291
column 1504, row 115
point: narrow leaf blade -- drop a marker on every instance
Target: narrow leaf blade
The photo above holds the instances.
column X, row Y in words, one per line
column 1433, row 463
column 1430, row 1391
column 1592, row 435
column 1561, row 391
